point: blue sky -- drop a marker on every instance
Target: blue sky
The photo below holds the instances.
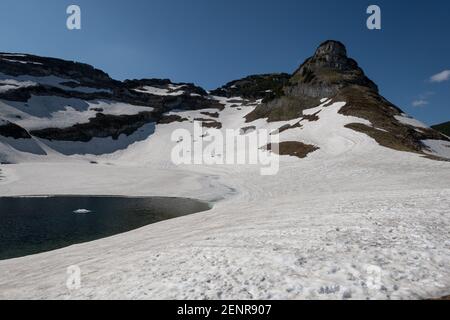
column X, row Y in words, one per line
column 211, row 42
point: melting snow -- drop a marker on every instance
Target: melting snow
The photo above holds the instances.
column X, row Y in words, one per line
column 438, row 148
column 405, row 119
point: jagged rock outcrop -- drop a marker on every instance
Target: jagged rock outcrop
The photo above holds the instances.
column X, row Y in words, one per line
column 11, row 130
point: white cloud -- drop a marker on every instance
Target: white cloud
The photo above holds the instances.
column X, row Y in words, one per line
column 424, row 96
column 420, row 103
column 441, row 76
column 423, row 99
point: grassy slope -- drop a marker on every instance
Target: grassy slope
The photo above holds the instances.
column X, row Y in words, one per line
column 443, row 127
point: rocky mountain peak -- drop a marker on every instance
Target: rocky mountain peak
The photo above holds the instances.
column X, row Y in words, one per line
column 330, row 73
column 329, row 70
column 331, row 48
column 332, row 54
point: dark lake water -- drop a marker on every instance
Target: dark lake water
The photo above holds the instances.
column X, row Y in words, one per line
column 38, row 224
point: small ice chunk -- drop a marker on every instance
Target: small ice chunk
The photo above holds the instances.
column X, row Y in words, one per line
column 82, row 211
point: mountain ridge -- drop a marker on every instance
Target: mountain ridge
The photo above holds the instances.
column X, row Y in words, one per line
column 443, row 128
column 65, row 101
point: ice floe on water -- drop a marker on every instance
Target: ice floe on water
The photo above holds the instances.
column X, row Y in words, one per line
column 82, row 211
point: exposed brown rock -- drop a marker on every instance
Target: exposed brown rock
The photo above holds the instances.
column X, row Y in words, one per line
column 166, row 119
column 209, row 123
column 211, row 114
column 246, row 130
column 288, row 127
column 311, row 117
column 294, row 148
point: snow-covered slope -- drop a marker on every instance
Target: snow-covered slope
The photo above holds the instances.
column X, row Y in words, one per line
column 352, row 219
column 70, row 108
